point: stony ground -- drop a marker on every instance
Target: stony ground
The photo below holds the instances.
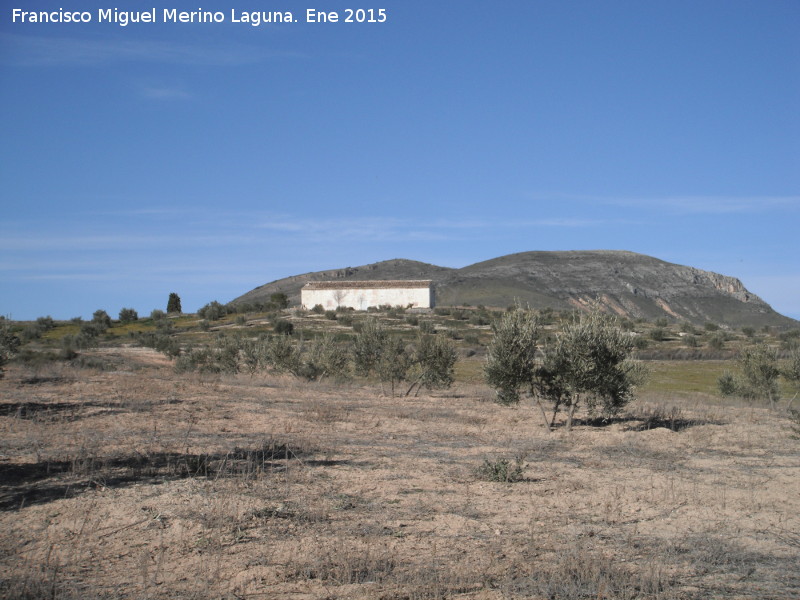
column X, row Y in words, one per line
column 136, row 482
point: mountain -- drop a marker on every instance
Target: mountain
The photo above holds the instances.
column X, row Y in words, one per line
column 625, row 283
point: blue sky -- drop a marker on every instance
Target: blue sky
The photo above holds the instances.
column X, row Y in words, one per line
column 208, row 159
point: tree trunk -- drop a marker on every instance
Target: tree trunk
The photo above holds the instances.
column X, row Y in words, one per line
column 544, row 414
column 572, row 408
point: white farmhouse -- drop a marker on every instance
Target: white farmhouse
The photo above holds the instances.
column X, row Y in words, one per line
column 360, row 295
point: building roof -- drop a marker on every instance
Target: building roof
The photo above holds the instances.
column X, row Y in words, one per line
column 361, row 285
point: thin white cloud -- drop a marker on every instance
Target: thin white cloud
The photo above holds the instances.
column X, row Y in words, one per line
column 37, row 51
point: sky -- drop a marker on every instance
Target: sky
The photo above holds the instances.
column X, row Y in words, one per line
column 210, row 158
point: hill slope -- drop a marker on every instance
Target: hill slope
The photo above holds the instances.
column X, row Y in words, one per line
column 626, row 283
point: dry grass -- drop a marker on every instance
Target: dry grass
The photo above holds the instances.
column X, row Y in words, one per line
column 139, row 483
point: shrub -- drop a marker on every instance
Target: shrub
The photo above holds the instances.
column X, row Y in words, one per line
column 661, row 322
column 31, row 332
column 173, row 303
column 375, row 352
column 331, row 315
column 323, row 359
column 67, row 351
column 758, row 376
column 748, row 331
column 240, row 320
column 717, row 341
column 45, row 323
column 318, row 309
column 92, row 329
column 212, row 311
column 427, row 327
column 157, row 314
column 279, row 299
column 346, row 320
column 501, row 470
column 128, row 315
column 760, row 373
column 590, row 362
column 283, row 327
column 204, row 325
column 368, row 347
column 161, row 342
column 658, row 334
column 727, row 384
column 101, row 319
column 511, row 353
column 711, row 327
column 433, row 363
column 9, row 344
column 479, row 319
column 472, row 339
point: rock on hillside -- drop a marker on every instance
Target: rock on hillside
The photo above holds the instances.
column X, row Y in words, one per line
column 628, row 284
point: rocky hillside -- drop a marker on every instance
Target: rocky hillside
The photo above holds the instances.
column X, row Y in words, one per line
column 626, row 283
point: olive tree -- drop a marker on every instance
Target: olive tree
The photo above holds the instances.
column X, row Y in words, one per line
column 510, row 360
column 9, row 343
column 758, row 376
column 376, row 352
column 212, row 311
column 589, row 363
column 128, row 315
column 433, row 363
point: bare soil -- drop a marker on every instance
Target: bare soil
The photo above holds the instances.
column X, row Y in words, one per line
column 135, row 482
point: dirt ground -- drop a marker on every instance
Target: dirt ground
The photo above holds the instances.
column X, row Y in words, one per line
column 135, row 482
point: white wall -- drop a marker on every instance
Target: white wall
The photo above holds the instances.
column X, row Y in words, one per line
column 361, row 299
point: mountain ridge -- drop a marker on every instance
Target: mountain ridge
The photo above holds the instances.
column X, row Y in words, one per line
column 625, row 283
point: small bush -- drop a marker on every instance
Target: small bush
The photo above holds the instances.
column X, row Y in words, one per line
column 204, row 325
column 318, row 309
column 501, row 470
column 658, row 334
column 330, row 315
column 717, row 341
column 726, row 383
column 412, row 320
column 479, row 319
column 9, row 344
column 711, row 327
column 510, row 359
column 101, row 319
column 283, row 327
column 427, row 327
column 279, row 299
column 212, row 311
column 45, row 323
column 128, row 315
column 158, row 314
column 241, row 320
